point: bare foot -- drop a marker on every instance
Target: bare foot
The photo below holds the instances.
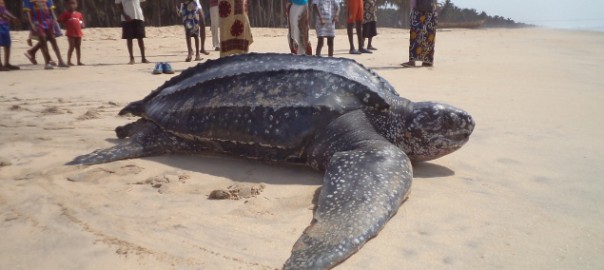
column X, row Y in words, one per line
column 30, row 57
column 144, row 60
column 70, row 63
column 204, row 52
column 131, row 61
column 198, row 58
column 189, row 56
column 408, row 64
column 81, row 64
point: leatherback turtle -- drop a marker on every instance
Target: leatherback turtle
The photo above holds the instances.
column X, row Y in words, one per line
column 331, row 114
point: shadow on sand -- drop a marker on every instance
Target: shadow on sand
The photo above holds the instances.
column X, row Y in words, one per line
column 430, row 170
column 257, row 171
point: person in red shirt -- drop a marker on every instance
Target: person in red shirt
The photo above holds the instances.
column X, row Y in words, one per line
column 73, row 21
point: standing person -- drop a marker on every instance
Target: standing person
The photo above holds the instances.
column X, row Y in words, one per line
column 190, row 11
column 327, row 12
column 56, row 30
column 235, row 32
column 214, row 27
column 73, row 21
column 423, row 33
column 5, row 41
column 42, row 22
column 133, row 26
column 369, row 22
column 31, row 53
column 354, row 18
column 296, row 12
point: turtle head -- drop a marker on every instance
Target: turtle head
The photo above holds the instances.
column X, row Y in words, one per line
column 433, row 130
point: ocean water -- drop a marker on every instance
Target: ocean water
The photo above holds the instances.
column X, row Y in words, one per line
column 579, row 26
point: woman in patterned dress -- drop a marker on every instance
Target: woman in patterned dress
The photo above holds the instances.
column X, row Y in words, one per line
column 423, row 33
column 369, row 22
column 235, row 32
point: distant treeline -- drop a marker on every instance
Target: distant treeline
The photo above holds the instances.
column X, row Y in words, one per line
column 448, row 12
column 264, row 13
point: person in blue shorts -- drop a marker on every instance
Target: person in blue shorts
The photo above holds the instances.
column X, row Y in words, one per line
column 5, row 42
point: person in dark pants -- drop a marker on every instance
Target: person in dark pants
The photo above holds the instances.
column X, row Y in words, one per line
column 133, row 26
column 370, row 22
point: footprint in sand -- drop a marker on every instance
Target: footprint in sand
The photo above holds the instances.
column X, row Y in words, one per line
column 162, row 182
column 55, row 110
column 90, row 114
column 4, row 163
column 110, row 104
column 98, row 173
column 237, row 192
column 15, row 108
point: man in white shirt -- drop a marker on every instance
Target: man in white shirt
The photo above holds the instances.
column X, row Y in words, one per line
column 133, row 25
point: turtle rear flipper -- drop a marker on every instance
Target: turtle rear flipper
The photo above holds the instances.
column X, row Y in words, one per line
column 118, row 152
column 146, row 139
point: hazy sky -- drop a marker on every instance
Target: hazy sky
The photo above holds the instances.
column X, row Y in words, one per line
column 552, row 13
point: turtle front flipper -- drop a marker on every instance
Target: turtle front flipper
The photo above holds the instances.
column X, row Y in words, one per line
column 362, row 190
column 363, row 187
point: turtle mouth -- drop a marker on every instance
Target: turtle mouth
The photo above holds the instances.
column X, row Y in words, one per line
column 461, row 136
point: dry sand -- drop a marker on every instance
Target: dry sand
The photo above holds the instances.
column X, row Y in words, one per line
column 524, row 193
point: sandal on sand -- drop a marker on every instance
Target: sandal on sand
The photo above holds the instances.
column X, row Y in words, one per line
column 198, row 58
column 49, row 66
column 167, row 68
column 159, row 68
column 408, row 64
column 31, row 58
column 188, row 59
column 354, row 52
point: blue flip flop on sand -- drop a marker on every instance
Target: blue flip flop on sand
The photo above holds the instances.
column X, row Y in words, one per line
column 163, row 67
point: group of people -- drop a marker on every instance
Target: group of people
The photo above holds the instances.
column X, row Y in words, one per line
column 230, row 27
column 45, row 27
column 360, row 14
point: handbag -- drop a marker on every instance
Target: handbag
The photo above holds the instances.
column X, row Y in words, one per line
column 56, row 29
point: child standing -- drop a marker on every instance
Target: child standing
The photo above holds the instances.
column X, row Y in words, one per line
column 190, row 11
column 327, row 12
column 5, row 42
column 73, row 21
column 133, row 26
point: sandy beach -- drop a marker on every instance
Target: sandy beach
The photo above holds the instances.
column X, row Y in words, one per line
column 524, row 193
